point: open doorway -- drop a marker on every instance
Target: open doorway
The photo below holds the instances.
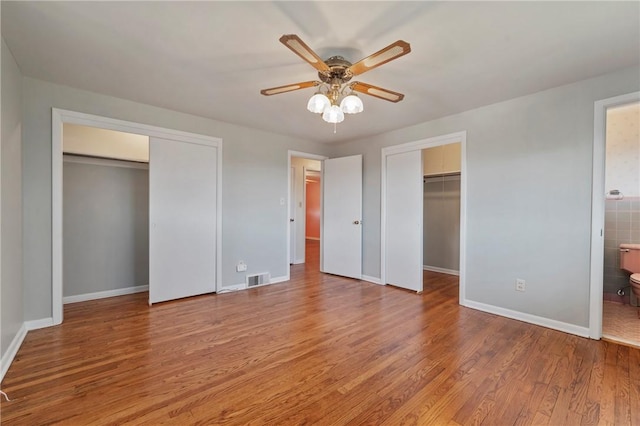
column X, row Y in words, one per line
column 599, row 194
column 305, row 208
column 105, row 213
column 620, row 310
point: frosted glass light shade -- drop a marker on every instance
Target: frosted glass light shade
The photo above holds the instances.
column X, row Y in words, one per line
column 318, row 103
column 333, row 114
column 351, row 105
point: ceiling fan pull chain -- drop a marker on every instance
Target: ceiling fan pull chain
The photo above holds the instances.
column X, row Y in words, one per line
column 335, row 127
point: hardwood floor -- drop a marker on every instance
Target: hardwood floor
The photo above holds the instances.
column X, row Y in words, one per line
column 319, row 349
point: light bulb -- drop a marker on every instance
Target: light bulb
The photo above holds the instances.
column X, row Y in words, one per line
column 318, row 103
column 333, row 114
column 351, row 104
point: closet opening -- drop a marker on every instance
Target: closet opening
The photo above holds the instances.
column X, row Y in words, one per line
column 424, row 215
column 441, row 167
column 105, row 232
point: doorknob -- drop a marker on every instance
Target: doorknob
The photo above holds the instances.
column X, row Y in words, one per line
column 291, row 220
column 356, row 222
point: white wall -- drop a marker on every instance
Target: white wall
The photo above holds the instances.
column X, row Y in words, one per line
column 529, row 168
column 299, row 164
column 254, row 179
column 11, row 290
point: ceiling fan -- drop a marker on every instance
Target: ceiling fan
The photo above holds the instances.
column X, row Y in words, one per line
column 335, row 95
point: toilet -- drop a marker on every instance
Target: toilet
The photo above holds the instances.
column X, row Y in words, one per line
column 630, row 262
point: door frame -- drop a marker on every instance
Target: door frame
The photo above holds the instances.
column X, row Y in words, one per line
column 447, row 139
column 58, row 118
column 597, row 207
column 308, row 156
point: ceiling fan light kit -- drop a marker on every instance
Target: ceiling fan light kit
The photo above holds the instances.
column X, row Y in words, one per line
column 336, row 96
column 318, row 103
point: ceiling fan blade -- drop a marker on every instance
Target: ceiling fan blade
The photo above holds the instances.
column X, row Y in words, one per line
column 289, row 88
column 376, row 91
column 299, row 47
column 389, row 53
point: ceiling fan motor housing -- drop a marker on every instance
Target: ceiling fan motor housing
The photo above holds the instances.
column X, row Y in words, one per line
column 338, row 71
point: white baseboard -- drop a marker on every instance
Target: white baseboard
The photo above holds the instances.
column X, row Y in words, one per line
column 12, row 350
column 298, row 261
column 440, row 270
column 233, row 287
column 39, row 323
column 104, row 294
column 531, row 319
column 281, row 279
column 371, row 279
column 243, row 286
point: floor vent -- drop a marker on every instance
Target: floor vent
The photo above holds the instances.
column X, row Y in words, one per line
column 258, row 279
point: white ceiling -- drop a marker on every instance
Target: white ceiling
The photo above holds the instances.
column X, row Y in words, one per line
column 212, row 58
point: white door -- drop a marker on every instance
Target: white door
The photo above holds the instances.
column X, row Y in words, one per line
column 342, row 216
column 182, row 219
column 403, row 227
column 292, row 218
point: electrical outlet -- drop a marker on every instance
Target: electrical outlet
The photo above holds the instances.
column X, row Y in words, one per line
column 520, row 284
column 241, row 266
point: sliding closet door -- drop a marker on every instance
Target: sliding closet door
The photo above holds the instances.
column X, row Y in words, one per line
column 404, row 220
column 182, row 219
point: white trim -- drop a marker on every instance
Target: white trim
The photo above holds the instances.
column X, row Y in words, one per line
column 60, row 116
column 440, row 270
column 104, row 294
column 306, row 155
column 420, row 145
column 231, row 288
column 597, row 208
column 243, row 286
column 374, row 280
column 528, row 318
column 108, row 162
column 39, row 323
column 277, row 280
column 12, row 350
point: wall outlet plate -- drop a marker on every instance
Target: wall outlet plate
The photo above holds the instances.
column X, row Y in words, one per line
column 241, row 267
column 520, row 284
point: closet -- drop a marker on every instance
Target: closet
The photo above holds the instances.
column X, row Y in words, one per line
column 441, row 208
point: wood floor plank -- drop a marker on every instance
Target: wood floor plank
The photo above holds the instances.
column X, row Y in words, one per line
column 319, row 349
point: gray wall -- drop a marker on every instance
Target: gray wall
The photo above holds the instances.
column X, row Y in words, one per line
column 105, row 226
column 529, row 164
column 529, row 171
column 441, row 222
column 11, row 293
column 254, row 178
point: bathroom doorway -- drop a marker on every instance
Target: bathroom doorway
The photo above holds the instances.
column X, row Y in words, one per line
column 621, row 306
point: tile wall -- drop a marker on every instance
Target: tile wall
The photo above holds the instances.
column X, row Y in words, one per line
column 622, row 225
